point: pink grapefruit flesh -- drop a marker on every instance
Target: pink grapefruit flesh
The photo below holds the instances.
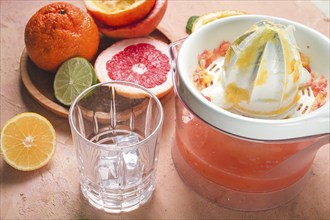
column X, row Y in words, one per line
column 144, row 61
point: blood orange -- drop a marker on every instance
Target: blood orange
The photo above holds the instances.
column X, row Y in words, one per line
column 144, row 61
column 139, row 28
column 117, row 12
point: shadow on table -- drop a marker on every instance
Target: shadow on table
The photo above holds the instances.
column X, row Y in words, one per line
column 10, row 175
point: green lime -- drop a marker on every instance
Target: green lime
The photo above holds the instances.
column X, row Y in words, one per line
column 95, row 80
column 190, row 23
column 74, row 76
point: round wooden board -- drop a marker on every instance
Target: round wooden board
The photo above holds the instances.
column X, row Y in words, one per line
column 39, row 83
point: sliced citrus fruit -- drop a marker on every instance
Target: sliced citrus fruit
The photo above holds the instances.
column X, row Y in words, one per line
column 207, row 18
column 74, row 76
column 144, row 61
column 28, row 141
column 139, row 28
column 119, row 12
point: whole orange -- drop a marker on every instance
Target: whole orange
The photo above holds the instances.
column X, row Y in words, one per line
column 60, row 31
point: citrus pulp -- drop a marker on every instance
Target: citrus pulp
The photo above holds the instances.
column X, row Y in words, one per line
column 74, row 76
column 140, row 28
column 144, row 61
column 118, row 12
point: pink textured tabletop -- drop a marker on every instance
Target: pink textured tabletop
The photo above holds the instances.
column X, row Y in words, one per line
column 53, row 191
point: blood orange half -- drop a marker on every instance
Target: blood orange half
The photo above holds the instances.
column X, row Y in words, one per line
column 140, row 28
column 117, row 12
column 144, row 61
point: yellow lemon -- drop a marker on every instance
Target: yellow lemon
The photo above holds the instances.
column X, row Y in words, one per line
column 207, row 18
column 28, row 141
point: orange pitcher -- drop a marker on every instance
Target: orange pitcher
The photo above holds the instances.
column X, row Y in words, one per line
column 240, row 162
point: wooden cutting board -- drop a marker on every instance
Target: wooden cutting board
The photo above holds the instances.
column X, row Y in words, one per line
column 39, row 83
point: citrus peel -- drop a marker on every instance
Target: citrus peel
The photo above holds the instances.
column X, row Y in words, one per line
column 59, row 31
column 209, row 17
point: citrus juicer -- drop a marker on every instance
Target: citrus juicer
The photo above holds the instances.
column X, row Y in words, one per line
column 241, row 162
column 260, row 74
column 302, row 106
column 294, row 123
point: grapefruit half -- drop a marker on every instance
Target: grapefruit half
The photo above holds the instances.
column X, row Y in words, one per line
column 144, row 61
column 139, row 28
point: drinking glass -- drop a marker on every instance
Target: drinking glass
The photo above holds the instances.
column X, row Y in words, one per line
column 116, row 128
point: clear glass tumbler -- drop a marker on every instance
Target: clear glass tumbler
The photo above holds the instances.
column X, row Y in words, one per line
column 116, row 128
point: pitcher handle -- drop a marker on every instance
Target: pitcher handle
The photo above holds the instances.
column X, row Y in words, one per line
column 174, row 49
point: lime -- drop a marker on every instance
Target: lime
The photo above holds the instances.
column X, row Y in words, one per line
column 190, row 23
column 74, row 76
